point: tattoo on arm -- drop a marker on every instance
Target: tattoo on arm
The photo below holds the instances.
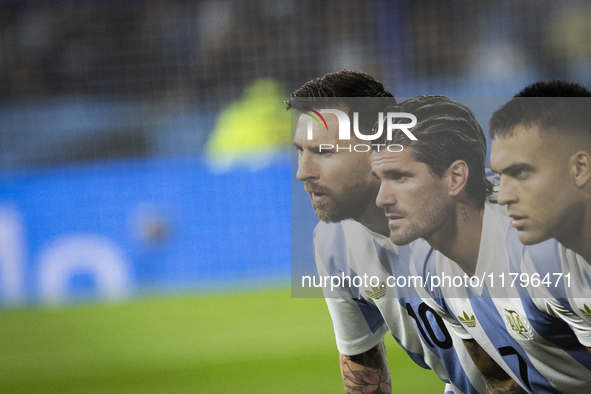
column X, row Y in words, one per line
column 367, row 371
column 497, row 381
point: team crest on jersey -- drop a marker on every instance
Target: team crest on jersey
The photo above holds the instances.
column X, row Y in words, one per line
column 468, row 321
column 518, row 326
column 377, row 292
column 586, row 311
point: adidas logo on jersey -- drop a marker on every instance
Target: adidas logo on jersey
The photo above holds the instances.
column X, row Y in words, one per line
column 586, row 311
column 378, row 292
column 517, row 326
column 468, row 321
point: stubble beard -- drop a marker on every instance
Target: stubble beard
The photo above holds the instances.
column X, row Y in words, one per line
column 422, row 224
column 348, row 203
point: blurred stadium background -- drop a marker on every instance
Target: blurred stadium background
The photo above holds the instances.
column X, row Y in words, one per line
column 146, row 188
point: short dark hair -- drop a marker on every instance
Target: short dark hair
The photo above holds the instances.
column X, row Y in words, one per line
column 446, row 131
column 343, row 84
column 552, row 106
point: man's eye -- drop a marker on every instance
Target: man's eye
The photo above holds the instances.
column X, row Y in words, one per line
column 521, row 173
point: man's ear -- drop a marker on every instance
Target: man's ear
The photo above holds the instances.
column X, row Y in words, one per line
column 458, row 177
column 581, row 168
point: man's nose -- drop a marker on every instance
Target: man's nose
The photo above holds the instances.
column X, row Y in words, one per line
column 307, row 168
column 506, row 193
column 385, row 196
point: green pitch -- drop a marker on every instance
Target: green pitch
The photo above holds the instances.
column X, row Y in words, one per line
column 249, row 342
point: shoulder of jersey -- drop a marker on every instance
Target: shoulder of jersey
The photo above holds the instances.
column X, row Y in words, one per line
column 424, row 262
column 335, row 241
column 331, row 238
column 327, row 233
column 545, row 256
column 323, row 228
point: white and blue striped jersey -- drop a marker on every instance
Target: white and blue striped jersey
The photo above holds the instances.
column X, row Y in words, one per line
column 564, row 289
column 362, row 314
column 539, row 350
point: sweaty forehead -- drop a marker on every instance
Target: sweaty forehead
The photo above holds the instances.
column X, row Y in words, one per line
column 526, row 137
column 314, row 118
column 525, row 145
column 534, row 134
column 385, row 160
column 321, row 133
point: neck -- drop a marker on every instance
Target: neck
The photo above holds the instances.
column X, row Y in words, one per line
column 374, row 219
column 579, row 238
column 459, row 237
column 372, row 216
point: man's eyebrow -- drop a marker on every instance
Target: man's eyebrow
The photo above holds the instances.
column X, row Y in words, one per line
column 392, row 173
column 513, row 167
column 395, row 172
column 311, row 148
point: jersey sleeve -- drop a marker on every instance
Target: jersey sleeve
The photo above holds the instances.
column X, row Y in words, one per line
column 357, row 328
column 581, row 328
column 552, row 296
column 358, row 325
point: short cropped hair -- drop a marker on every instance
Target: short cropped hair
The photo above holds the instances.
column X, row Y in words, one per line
column 548, row 106
column 343, row 84
column 446, row 131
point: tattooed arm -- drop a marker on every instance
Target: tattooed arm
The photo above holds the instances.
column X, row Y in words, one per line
column 367, row 371
column 496, row 379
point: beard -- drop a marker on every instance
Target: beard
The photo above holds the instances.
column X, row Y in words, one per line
column 349, row 202
column 425, row 221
